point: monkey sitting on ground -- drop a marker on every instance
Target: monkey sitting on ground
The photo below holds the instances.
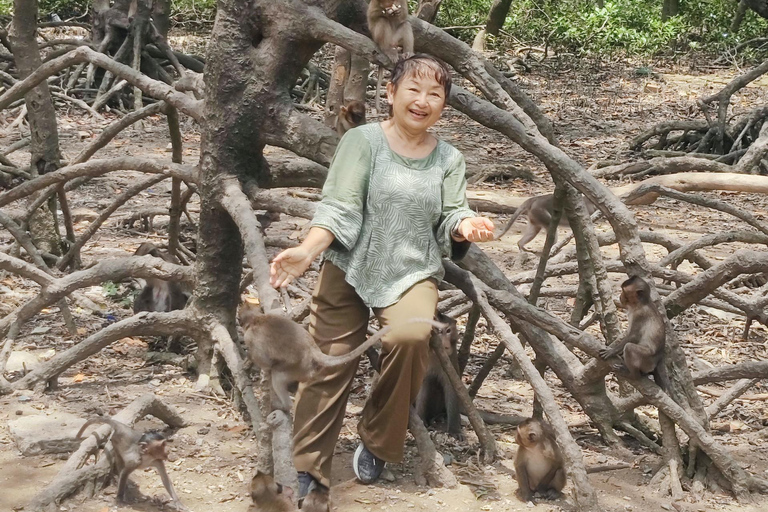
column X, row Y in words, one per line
column 389, row 28
column 134, row 450
column 539, row 210
column 538, row 461
column 269, row 496
column 157, row 294
column 282, row 346
column 642, row 346
column 350, row 116
column 437, row 395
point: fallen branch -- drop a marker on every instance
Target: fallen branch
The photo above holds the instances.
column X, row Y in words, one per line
column 143, row 324
column 98, row 168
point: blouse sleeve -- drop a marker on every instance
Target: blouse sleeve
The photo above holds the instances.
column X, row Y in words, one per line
column 455, row 209
column 341, row 209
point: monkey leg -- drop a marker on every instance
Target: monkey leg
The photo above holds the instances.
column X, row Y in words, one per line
column 160, row 467
column 639, row 360
column 531, row 230
column 452, row 414
column 281, row 398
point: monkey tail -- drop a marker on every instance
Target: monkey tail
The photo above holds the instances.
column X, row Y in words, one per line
column 328, row 361
column 521, row 210
column 661, row 377
column 94, row 421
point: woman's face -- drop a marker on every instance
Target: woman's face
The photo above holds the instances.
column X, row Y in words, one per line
column 417, row 102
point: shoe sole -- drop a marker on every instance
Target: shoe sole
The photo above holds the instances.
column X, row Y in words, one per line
column 355, row 458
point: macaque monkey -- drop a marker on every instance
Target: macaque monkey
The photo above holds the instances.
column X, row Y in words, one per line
column 281, row 345
column 134, row 450
column 642, row 346
column 538, row 461
column 269, row 496
column 318, row 499
column 350, row 116
column 437, row 395
column 389, row 27
column 539, row 210
column 158, row 295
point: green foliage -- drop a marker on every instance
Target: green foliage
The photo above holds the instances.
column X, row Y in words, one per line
column 620, row 26
column 64, row 8
column 193, row 11
column 6, row 7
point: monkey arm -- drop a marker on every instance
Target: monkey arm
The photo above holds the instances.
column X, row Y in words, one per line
column 618, row 347
column 455, row 208
column 160, row 467
column 345, row 190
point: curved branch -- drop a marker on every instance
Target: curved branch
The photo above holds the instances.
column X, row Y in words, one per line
column 98, row 168
column 108, row 270
column 742, row 262
column 235, row 202
column 715, row 204
column 678, row 255
column 748, row 370
column 144, row 324
column 104, row 215
column 154, row 88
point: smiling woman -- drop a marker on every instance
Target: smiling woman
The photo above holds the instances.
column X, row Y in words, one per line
column 394, row 204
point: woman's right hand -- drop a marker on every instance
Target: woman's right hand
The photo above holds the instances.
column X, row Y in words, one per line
column 288, row 265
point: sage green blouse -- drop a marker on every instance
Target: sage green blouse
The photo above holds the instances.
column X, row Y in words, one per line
column 392, row 216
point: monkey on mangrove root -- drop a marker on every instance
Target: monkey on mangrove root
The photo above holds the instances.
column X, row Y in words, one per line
column 389, row 28
column 538, row 461
column 134, row 450
column 539, row 210
column 157, row 294
column 642, row 345
column 350, row 116
column 437, row 395
column 270, row 496
column 282, row 346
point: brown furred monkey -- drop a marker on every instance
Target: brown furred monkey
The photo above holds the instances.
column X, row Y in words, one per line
column 285, row 348
column 642, row 346
column 437, row 395
column 157, row 294
column 539, row 210
column 269, row 496
column 351, row 115
column 134, row 450
column 538, row 461
column 389, row 28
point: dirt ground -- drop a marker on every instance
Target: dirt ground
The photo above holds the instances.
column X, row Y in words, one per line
column 596, row 110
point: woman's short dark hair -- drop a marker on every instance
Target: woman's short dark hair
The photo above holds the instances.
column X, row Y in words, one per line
column 422, row 65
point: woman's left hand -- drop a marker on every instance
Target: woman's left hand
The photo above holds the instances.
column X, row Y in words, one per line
column 476, row 229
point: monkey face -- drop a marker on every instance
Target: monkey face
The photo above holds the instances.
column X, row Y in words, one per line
column 156, row 449
column 417, row 102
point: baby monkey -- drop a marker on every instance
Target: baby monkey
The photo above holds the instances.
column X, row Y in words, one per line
column 270, row 496
column 539, row 212
column 285, row 348
column 538, row 461
column 642, row 346
column 389, row 27
column 437, row 395
column 350, row 116
column 134, row 450
column 157, row 294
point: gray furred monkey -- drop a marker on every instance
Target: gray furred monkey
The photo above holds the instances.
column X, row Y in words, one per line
column 539, row 210
column 282, row 346
column 437, row 395
column 134, row 450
